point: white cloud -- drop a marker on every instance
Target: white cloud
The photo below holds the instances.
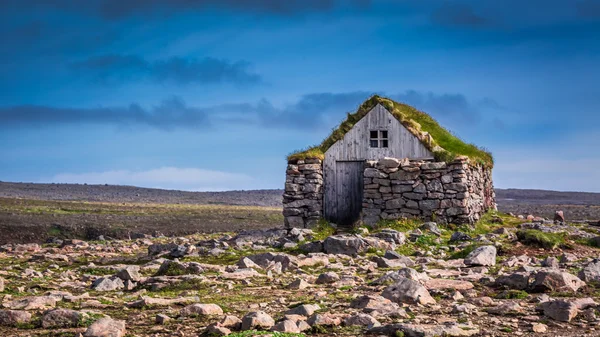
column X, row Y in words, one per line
column 187, row 179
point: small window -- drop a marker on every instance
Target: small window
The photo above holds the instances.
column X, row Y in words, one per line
column 378, row 138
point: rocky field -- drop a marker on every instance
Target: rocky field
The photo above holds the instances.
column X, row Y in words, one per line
column 503, row 276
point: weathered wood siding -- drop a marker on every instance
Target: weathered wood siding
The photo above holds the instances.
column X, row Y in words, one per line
column 349, row 192
column 355, row 147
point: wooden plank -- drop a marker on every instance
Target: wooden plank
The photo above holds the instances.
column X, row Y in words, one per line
column 354, row 146
column 348, row 192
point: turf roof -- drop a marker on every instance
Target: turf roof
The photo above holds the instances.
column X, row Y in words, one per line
column 444, row 145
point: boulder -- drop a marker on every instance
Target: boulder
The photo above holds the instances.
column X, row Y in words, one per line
column 556, row 281
column 201, row 309
column 14, row 317
column 591, row 272
column 391, row 236
column 61, row 318
column 425, row 330
column 482, row 256
column 559, row 310
column 303, row 310
column 106, row 327
column 32, row 303
column 324, row 320
column 298, row 284
column 287, row 326
column 130, row 273
column 108, row 284
column 327, row 278
column 460, row 236
column 518, row 281
column 408, row 291
column 361, row 320
column 259, row 320
column 344, row 244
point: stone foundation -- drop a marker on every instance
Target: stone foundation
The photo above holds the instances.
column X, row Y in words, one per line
column 457, row 192
column 303, row 196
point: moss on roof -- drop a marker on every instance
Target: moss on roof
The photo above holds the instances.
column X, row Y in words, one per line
column 444, row 145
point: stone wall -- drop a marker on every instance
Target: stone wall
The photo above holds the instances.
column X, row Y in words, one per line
column 303, row 195
column 457, row 192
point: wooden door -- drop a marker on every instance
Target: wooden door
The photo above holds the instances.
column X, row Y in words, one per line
column 348, row 192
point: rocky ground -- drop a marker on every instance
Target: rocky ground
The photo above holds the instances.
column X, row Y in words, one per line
column 503, row 276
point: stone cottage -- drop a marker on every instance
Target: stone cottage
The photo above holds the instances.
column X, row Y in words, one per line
column 388, row 161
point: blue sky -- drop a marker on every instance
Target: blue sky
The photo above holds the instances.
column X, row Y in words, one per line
column 212, row 95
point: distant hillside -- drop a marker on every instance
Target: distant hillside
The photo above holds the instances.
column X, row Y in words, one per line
column 115, row 193
column 512, row 195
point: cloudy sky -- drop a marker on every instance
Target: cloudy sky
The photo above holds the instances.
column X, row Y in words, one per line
column 213, row 94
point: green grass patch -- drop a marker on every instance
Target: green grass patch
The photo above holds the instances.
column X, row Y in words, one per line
column 445, row 145
column 323, row 230
column 512, row 295
column 461, row 254
column 538, row 238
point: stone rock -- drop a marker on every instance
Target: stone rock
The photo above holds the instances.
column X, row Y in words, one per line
column 241, row 274
column 344, row 244
column 231, row 322
column 146, row 301
column 392, row 255
column 175, row 268
column 391, row 236
column 361, row 320
column 61, row 318
column 444, row 284
column 559, row 310
column 389, row 162
column 130, row 273
column 247, row 263
column 257, row 319
column 265, row 260
column 312, row 247
column 327, row 278
column 158, row 248
column 32, row 303
column 162, row 319
column 324, row 320
column 395, row 276
column 559, row 216
column 14, row 317
column 217, row 330
column 1, row 284
column 408, row 291
column 539, row 327
column 108, row 284
column 591, row 272
column 459, row 236
column 482, row 256
column 518, row 281
column 287, row 325
column 426, row 330
column 303, row 310
column 431, row 227
column 550, row 262
column 106, row 327
column 298, row 284
column 201, row 309
column 506, row 308
column 556, row 281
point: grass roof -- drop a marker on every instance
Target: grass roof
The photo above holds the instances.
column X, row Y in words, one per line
column 442, row 143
